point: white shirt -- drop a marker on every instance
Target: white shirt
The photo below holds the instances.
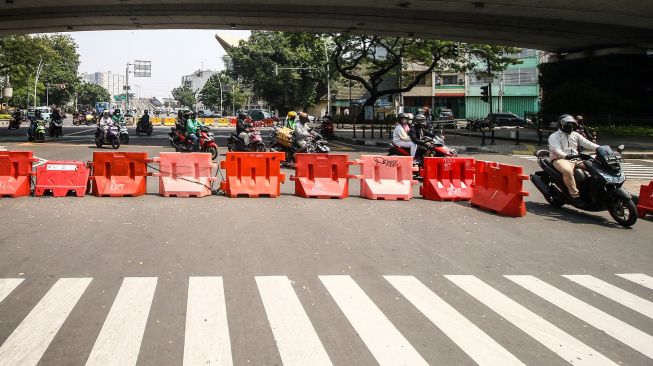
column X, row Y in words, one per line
column 562, row 144
column 399, row 134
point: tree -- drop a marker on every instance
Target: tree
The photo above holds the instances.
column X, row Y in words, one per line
column 233, row 93
column 89, row 94
column 257, row 60
column 210, row 93
column 20, row 56
column 185, row 96
column 376, row 61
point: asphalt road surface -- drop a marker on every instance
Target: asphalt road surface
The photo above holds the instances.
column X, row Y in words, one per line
column 170, row 281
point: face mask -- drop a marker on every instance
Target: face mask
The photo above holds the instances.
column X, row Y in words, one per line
column 568, row 128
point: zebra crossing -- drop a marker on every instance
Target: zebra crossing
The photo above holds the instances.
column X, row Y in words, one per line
column 207, row 335
column 632, row 170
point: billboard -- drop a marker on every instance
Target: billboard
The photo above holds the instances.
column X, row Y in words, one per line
column 142, row 69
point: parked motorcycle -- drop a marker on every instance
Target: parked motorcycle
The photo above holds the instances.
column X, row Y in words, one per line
column 182, row 143
column 235, row 143
column 600, row 186
column 56, row 128
column 112, row 136
column 123, row 133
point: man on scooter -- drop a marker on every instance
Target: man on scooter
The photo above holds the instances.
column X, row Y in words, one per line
column 564, row 149
column 144, row 121
column 400, row 134
column 290, row 120
column 105, row 122
column 416, row 133
column 242, row 128
column 192, row 127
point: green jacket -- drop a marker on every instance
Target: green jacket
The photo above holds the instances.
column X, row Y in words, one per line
column 290, row 123
column 117, row 118
column 192, row 125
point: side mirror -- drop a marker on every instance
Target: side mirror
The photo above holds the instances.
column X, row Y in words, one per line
column 620, row 148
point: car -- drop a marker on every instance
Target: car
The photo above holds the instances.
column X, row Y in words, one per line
column 262, row 117
column 506, row 119
column 45, row 112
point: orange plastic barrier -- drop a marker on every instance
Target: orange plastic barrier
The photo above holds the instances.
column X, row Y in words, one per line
column 252, row 174
column 61, row 177
column 499, row 188
column 117, row 174
column 386, row 177
column 232, row 121
column 185, row 175
column 645, row 203
column 322, row 175
column 15, row 173
column 447, row 179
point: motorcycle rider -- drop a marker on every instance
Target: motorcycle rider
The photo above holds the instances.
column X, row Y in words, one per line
column 192, row 128
column 564, row 147
column 416, row 133
column 31, row 131
column 302, row 132
column 400, row 134
column 17, row 116
column 144, row 121
column 105, row 122
column 583, row 130
column 291, row 120
column 54, row 117
column 117, row 117
column 242, row 128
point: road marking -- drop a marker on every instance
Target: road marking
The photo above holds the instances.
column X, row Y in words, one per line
column 552, row 337
column 207, row 332
column 297, row 341
column 473, row 341
column 382, row 338
column 120, row 338
column 631, row 170
column 26, row 345
column 638, row 278
column 614, row 327
column 78, row 132
column 7, row 285
column 614, row 293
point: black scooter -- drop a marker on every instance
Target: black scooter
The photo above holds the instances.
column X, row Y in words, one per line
column 600, row 186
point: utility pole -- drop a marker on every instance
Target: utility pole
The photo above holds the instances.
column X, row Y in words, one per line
column 126, row 88
column 328, row 78
column 47, row 94
column 36, row 81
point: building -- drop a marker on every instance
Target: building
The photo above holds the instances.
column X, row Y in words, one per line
column 113, row 83
column 197, row 79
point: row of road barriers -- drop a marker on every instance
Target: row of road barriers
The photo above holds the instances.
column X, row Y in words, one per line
column 487, row 185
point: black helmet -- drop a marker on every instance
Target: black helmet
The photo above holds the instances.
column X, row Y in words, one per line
column 401, row 116
column 420, row 119
column 567, row 123
column 242, row 115
column 145, row 111
column 116, row 111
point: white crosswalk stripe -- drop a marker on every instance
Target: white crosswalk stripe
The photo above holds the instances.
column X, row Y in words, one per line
column 28, row 342
column 640, row 278
column 632, row 170
column 207, row 333
column 614, row 293
column 120, row 337
column 614, row 327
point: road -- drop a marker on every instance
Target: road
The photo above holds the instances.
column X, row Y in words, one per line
column 165, row 281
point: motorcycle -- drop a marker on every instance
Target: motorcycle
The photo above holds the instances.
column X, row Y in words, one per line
column 90, row 119
column 147, row 129
column 112, row 136
column 182, row 143
column 317, row 144
column 327, row 129
column 235, row 143
column 78, row 120
column 36, row 131
column 600, row 186
column 123, row 133
column 435, row 147
column 56, row 128
column 14, row 123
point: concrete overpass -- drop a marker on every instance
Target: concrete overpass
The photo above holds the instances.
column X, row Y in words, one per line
column 552, row 25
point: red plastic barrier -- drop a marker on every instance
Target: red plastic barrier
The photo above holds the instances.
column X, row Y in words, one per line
column 61, row 177
column 252, row 174
column 118, row 174
column 447, row 179
column 185, row 175
column 645, row 203
column 386, row 177
column 499, row 188
column 15, row 173
column 322, row 175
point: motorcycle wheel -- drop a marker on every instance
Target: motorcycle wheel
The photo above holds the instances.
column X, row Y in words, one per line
column 231, row 147
column 98, row 142
column 553, row 201
column 138, row 131
column 213, row 151
column 124, row 139
column 624, row 212
column 260, row 148
column 115, row 143
column 41, row 137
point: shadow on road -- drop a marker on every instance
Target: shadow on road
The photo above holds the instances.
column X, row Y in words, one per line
column 569, row 214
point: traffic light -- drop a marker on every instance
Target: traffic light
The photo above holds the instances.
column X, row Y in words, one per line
column 484, row 93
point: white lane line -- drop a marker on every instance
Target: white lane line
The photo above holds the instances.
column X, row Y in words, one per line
column 79, row 132
column 639, row 278
column 120, row 338
column 7, row 285
column 26, row 345
column 564, row 345
column 297, row 341
column 207, row 332
column 614, row 327
column 473, row 341
column 614, row 293
column 381, row 337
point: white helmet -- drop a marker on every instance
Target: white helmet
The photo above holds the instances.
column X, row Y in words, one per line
column 410, row 117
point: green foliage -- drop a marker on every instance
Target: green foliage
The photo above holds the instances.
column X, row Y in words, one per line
column 185, row 96
column 254, row 63
column 210, row 93
column 20, row 56
column 89, row 94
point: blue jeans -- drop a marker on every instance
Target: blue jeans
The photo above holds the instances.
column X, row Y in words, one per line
column 196, row 141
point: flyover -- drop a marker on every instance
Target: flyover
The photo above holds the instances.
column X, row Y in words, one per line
column 553, row 25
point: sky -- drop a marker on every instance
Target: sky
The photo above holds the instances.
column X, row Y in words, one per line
column 173, row 53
